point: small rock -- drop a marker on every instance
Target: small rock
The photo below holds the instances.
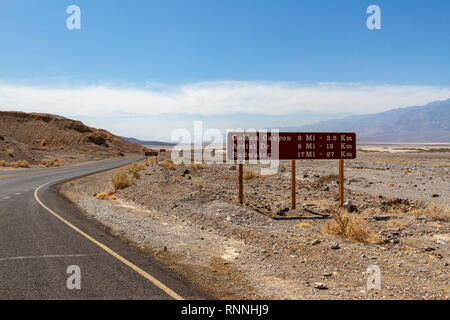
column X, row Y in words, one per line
column 282, row 212
column 335, row 245
column 320, row 285
column 315, row 241
column 441, row 242
column 327, row 274
column 435, row 195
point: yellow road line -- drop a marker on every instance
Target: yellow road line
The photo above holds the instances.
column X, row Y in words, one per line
column 150, row 278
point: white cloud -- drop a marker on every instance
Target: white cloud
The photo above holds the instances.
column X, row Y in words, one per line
column 217, row 98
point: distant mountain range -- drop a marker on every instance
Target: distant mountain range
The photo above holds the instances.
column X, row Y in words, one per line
column 429, row 123
column 148, row 143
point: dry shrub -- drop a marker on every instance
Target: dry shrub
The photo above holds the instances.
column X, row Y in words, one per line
column 168, row 164
column 105, row 196
column 248, row 175
column 349, row 226
column 126, row 176
column 17, row 164
column 23, row 163
column 97, row 159
column 304, row 225
column 435, row 211
column 134, row 169
column 326, row 179
column 52, row 163
column 10, row 152
column 122, row 179
column 197, row 166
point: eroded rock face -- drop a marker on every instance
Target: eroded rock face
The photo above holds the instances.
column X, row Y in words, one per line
column 33, row 135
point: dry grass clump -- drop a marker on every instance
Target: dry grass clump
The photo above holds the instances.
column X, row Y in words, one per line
column 168, row 164
column 326, row 179
column 435, row 210
column 349, row 226
column 197, row 166
column 126, row 176
column 17, row 164
column 52, row 163
column 10, row 152
column 248, row 175
column 105, row 196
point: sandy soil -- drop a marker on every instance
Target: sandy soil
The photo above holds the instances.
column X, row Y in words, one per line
column 189, row 219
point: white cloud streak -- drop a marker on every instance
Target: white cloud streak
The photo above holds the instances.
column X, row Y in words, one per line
column 217, row 98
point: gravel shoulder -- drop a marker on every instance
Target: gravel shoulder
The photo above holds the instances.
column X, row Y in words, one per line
column 189, row 219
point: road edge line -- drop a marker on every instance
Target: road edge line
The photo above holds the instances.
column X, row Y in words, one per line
column 140, row 271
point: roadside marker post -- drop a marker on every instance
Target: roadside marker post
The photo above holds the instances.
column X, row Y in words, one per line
column 151, row 154
column 341, row 182
column 293, row 185
column 241, row 183
column 253, row 146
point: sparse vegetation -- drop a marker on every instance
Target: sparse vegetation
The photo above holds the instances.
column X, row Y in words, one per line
column 52, row 163
column 16, row 164
column 126, row 176
column 168, row 164
column 326, row 179
column 105, row 196
column 349, row 226
column 435, row 211
column 10, row 152
column 248, row 175
column 197, row 166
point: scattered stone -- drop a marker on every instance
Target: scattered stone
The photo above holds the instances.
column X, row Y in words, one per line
column 335, row 245
column 315, row 241
column 320, row 285
column 435, row 195
column 327, row 274
column 282, row 212
column 381, row 218
column 349, row 206
column 441, row 242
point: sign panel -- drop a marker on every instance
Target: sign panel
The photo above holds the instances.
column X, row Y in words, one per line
column 151, row 153
column 290, row 145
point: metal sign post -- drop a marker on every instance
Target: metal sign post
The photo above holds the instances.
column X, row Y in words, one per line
column 241, row 183
column 293, row 185
column 341, row 182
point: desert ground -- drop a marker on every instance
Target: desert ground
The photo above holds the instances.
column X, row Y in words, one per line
column 396, row 216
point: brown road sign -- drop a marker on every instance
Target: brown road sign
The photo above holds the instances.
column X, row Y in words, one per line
column 290, row 145
column 151, row 153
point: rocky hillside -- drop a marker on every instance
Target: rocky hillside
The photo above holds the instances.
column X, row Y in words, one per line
column 429, row 123
column 32, row 137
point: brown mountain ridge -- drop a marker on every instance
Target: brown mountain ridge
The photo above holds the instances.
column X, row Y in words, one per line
column 35, row 137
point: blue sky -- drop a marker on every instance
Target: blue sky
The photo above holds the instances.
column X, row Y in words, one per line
column 231, row 63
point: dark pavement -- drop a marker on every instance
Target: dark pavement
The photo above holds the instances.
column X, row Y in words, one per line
column 37, row 247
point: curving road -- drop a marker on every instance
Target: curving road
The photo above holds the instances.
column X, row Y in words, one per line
column 42, row 235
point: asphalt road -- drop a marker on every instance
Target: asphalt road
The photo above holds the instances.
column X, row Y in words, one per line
column 42, row 235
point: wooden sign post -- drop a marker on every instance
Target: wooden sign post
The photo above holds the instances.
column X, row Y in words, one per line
column 151, row 154
column 241, row 183
column 341, row 182
column 292, row 146
column 292, row 184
